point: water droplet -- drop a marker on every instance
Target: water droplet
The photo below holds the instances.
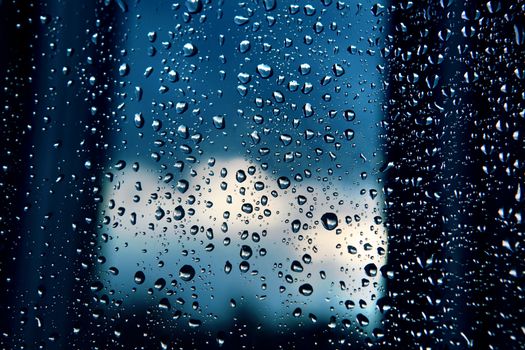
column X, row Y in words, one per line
column 193, row 323
column 227, row 267
column 240, row 176
column 349, row 115
column 349, row 134
column 283, row 182
column 371, row 270
column 178, row 213
column 173, row 76
column 329, row 221
column 121, row 164
column 246, row 252
column 296, row 266
column 183, row 185
column 296, row 225
column 264, row 70
column 240, row 20
column 244, row 266
column 219, row 122
column 306, row 289
column 269, row 5
column 305, row 69
column 139, row 120
column 220, row 338
column 338, row 70
column 181, row 107
column 244, row 46
column 378, row 9
column 362, row 320
column 247, row 208
column 160, row 283
column 186, row 273
column 308, row 110
column 164, row 303
column 159, row 213
column 351, row 249
column 139, row 277
column 189, row 50
column 123, row 70
column 193, row 6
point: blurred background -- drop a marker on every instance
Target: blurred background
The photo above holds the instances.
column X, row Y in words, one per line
column 262, row 174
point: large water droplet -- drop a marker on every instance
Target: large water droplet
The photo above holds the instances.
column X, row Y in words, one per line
column 264, row 70
column 139, row 120
column 228, row 267
column 123, row 70
column 193, row 6
column 164, row 303
column 244, row 46
column 329, row 221
column 306, row 289
column 160, row 283
column 240, row 176
column 219, row 122
column 183, row 185
column 186, row 273
column 349, row 115
column 139, row 277
column 269, row 5
column 189, row 50
column 159, row 213
column 349, row 134
column 296, row 266
column 178, row 213
column 247, row 208
column 362, row 320
column 240, row 20
column 305, row 69
column 338, row 70
column 371, row 270
column 246, row 252
column 296, row 225
column 283, row 182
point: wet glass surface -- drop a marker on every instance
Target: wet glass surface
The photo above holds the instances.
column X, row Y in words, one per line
column 262, row 174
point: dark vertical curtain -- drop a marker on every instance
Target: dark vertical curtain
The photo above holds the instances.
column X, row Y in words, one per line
column 454, row 180
column 53, row 135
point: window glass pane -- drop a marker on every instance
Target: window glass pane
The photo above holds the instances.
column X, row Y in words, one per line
column 261, row 174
